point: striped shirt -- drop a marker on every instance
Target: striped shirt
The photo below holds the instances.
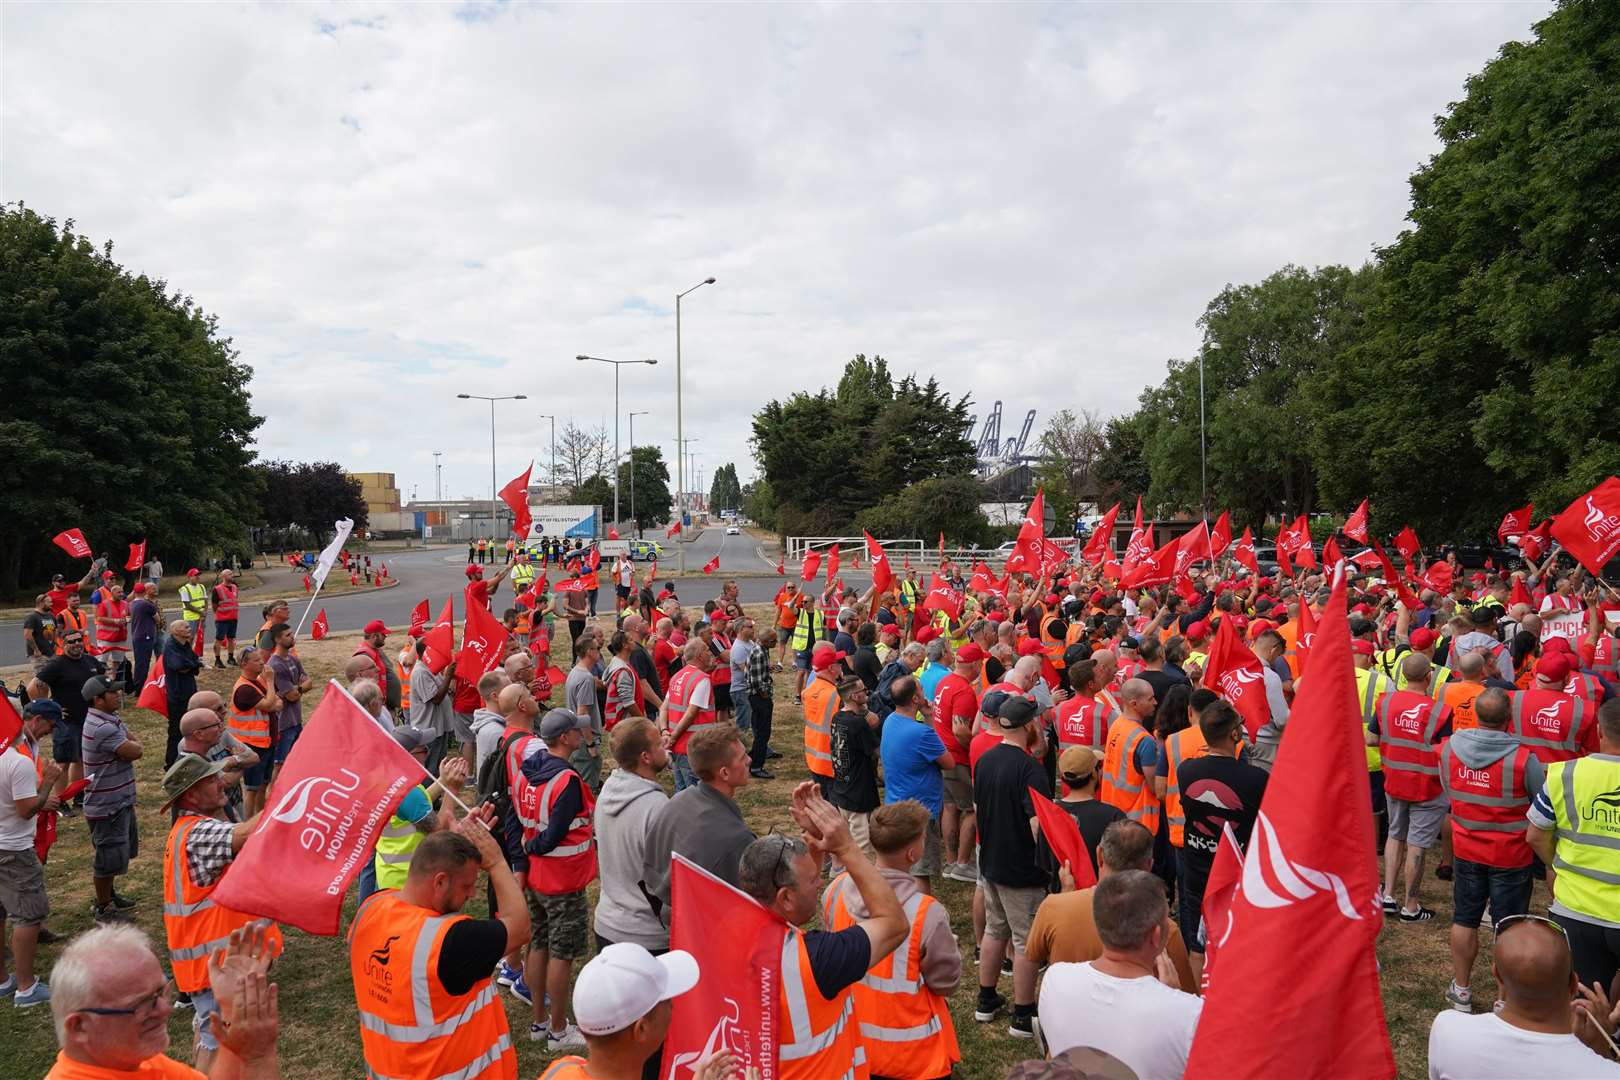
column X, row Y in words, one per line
column 114, row 785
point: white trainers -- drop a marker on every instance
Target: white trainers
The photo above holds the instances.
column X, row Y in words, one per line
column 1461, row 998
column 566, row 1039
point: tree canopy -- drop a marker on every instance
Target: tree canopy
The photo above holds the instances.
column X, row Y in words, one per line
column 654, row 504
column 308, row 496
column 725, row 493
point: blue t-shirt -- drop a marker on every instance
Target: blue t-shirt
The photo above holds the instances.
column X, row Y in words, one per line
column 1147, row 754
column 415, row 806
column 909, row 749
column 930, row 678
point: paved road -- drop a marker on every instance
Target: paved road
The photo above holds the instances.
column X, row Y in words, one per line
column 440, row 572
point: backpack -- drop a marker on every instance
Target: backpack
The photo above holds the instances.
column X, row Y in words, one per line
column 492, row 786
column 881, row 702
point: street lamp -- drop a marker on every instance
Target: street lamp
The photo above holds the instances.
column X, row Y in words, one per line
column 1203, row 451
column 553, row 419
column 492, row 484
column 633, row 519
column 617, row 364
column 680, row 464
column 684, row 452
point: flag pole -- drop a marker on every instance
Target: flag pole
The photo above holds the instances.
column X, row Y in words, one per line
column 309, row 607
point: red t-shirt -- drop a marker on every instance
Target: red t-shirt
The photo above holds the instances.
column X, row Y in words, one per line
column 982, row 742
column 479, row 591
column 59, row 598
column 953, row 697
column 663, row 656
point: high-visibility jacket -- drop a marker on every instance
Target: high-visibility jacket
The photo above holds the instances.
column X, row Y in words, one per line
column 1123, row 784
column 1460, row 697
column 404, row 686
column 410, row 1025
column 225, row 605
column 1290, row 635
column 1408, row 727
column 1606, row 657
column 821, row 704
column 69, row 620
column 1370, row 686
column 1487, row 808
column 1585, row 686
column 566, row 1068
column 193, row 601
column 366, row 649
column 1390, row 661
column 681, row 686
column 522, row 576
column 252, row 727
column 571, row 865
column 1083, row 721
column 905, row 1027
column 395, row 846
column 806, row 628
column 1556, row 726
column 1051, row 644
column 908, row 594
column 1075, row 633
column 1587, row 831
column 195, row 926
column 616, row 678
column 1106, row 696
column 817, row 1038
column 1184, row 745
column 112, row 622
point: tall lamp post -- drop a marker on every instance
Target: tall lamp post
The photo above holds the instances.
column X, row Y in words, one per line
column 633, row 519
column 617, row 364
column 680, row 463
column 493, row 498
column 553, row 419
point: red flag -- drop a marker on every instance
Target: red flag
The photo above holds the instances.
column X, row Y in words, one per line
column 482, row 640
column 832, row 564
column 419, row 617
column 1306, row 892
column 1307, row 633
column 137, row 556
column 1355, row 526
column 712, row 565
column 73, row 542
column 1235, row 673
column 1244, row 551
column 571, row 585
column 1102, row 538
column 1154, row 568
column 593, row 559
column 982, row 580
column 338, row 788
column 807, row 571
column 941, row 597
column 1193, row 547
column 1589, row 527
column 1284, row 569
column 942, row 539
column 1365, row 559
column 155, row 694
column 738, row 948
column 1026, row 553
column 1220, row 537
column 882, row 576
column 781, row 564
column 674, row 528
column 1439, row 577
column 613, row 534
column 317, row 629
column 1515, row 522
column 516, row 495
column 1063, row 837
column 1407, row 543
column 1331, row 555
column 1304, row 554
column 11, row 721
column 1520, row 595
column 1387, row 568
column 1533, row 544
column 1219, row 892
column 440, row 641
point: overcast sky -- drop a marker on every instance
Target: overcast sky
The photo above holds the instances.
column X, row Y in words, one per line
column 386, row 206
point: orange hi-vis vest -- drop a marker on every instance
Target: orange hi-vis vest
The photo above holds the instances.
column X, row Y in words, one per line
column 404, row 687
column 1460, row 696
column 70, row 621
column 1550, row 723
column 1408, row 723
column 821, row 702
column 410, row 1026
column 571, row 865
column 681, row 687
column 615, row 678
column 1051, row 644
column 1106, row 696
column 1487, row 808
column 1076, row 633
column 1083, row 721
column 1289, row 631
column 905, row 1027
column 195, row 926
column 1123, row 784
column 1184, row 745
column 112, row 622
column 566, row 1068
column 817, row 1039
column 253, row 727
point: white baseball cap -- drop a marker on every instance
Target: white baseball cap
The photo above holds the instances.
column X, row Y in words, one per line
column 624, row 982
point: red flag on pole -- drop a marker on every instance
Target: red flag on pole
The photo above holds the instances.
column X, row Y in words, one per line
column 317, row 629
column 11, row 720
column 1589, row 527
column 1331, row 555
column 1304, row 554
column 1220, row 537
column 982, row 580
column 1533, row 544
column 781, row 564
column 812, row 561
column 1393, row 577
column 1026, row 553
column 1235, row 673
column 1439, row 577
column 419, row 617
column 73, row 542
column 738, row 948
column 1306, row 892
column 1284, row 568
column 832, row 564
column 674, row 528
column 440, row 641
column 613, row 533
column 482, row 639
column 882, row 576
column 1244, row 551
column 343, row 780
column 137, row 556
column 1355, row 526
column 516, row 495
column 712, row 565
column 1515, row 522
column 1365, row 559
column 1407, row 543
column 942, row 540
column 1101, row 542
column 155, row 694
column 1063, row 837
column 941, row 597
column 1193, row 547
column 1307, row 633
column 571, row 585
column 1141, row 542
column 1155, row 568
column 1219, row 892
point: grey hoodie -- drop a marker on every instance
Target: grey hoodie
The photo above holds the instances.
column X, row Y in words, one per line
column 624, row 812
column 487, row 726
column 1481, row 747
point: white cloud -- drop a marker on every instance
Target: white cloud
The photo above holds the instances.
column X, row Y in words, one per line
column 388, row 205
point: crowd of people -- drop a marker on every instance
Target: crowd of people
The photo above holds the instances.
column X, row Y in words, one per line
column 931, row 731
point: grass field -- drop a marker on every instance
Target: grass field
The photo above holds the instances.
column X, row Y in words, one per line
column 320, row 1035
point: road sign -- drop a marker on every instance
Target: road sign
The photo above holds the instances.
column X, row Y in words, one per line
column 612, row 548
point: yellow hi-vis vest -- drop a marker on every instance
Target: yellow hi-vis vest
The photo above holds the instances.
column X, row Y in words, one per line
column 193, row 601
column 806, row 629
column 1586, row 812
column 396, row 845
column 1370, row 686
column 522, row 576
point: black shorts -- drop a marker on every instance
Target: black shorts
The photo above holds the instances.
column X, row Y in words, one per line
column 722, row 697
column 623, row 591
column 1189, row 914
column 224, row 629
column 66, row 737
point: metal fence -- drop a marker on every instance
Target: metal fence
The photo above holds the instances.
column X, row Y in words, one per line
column 917, row 552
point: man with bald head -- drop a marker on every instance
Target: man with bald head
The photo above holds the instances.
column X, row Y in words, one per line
column 641, row 661
column 1131, row 777
column 1408, row 726
column 203, row 732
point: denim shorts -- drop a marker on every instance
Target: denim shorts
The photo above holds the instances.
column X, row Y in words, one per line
column 1472, row 883
column 256, row 776
column 285, row 739
column 205, row 1008
column 66, row 741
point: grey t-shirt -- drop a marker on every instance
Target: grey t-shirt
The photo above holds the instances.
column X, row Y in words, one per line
column 579, row 695
column 288, row 673
column 436, row 719
column 114, row 785
column 740, row 652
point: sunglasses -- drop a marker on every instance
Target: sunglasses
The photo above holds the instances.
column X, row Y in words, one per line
column 1512, row 920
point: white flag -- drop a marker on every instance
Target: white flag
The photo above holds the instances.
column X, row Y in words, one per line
column 329, row 556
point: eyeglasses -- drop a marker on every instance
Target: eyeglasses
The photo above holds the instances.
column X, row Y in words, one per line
column 143, row 1007
column 1509, row 920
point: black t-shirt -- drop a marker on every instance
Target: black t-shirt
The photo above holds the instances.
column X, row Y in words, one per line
column 36, row 625
column 1093, row 816
column 1161, row 681
column 838, row 960
column 1001, row 783
column 66, row 678
column 994, row 670
column 472, row 947
column 855, row 754
column 1216, row 790
column 866, row 666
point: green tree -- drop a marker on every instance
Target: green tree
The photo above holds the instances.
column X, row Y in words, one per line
column 127, row 414
column 725, row 493
column 947, row 504
column 654, row 503
column 759, row 504
column 308, row 495
column 1122, row 469
column 597, row 490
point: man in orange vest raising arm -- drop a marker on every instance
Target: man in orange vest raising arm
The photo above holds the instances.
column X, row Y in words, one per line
column 818, row 1035
column 421, row 969
column 201, row 845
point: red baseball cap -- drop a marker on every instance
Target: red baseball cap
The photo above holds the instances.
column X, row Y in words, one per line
column 1199, row 629
column 890, row 630
column 969, row 654
column 1362, row 647
column 193, row 572
column 1554, row 667
column 1555, row 645
column 825, row 657
column 997, row 616
column 1051, row 598
column 1030, row 647
column 1422, row 638
column 927, row 634
column 376, row 626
